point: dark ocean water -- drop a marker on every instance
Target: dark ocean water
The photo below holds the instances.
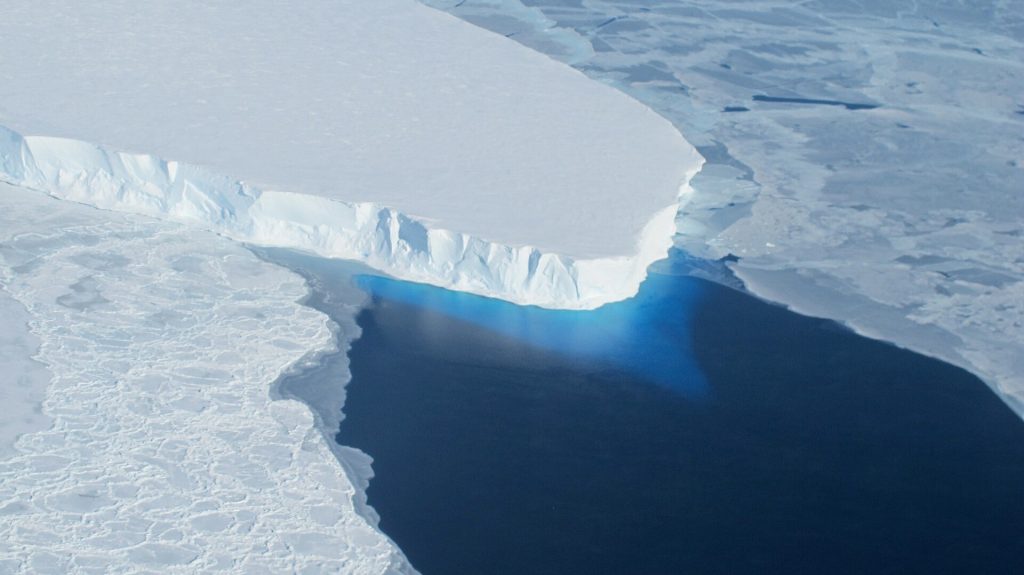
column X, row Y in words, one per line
column 693, row 429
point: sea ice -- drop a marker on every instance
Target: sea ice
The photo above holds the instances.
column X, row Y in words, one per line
column 865, row 160
column 166, row 451
column 24, row 379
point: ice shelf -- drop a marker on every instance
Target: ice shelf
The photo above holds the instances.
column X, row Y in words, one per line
column 387, row 132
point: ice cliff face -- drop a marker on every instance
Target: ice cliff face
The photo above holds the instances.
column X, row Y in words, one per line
column 382, row 237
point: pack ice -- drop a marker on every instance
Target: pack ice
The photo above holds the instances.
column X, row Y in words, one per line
column 162, row 449
column 381, row 131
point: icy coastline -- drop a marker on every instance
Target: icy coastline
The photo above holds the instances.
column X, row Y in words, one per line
column 403, row 139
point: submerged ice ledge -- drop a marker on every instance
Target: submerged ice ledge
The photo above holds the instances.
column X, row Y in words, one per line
column 382, row 237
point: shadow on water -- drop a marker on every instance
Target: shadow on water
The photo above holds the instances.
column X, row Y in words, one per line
column 519, row 440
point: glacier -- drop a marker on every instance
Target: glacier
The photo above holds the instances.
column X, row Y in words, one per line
column 392, row 133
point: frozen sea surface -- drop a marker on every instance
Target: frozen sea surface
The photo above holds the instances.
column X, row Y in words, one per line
column 876, row 174
column 166, row 452
column 873, row 178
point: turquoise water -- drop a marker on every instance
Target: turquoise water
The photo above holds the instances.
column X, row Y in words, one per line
column 694, row 429
column 606, row 337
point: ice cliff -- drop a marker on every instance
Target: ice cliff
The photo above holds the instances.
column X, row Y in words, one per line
column 382, row 237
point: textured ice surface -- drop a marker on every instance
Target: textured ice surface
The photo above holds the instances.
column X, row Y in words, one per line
column 166, row 452
column 876, row 174
column 487, row 152
column 24, row 380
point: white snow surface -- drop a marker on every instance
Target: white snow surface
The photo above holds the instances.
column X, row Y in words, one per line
column 384, row 131
column 166, row 452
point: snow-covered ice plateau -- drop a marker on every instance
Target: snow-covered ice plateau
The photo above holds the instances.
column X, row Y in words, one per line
column 865, row 160
column 384, row 131
column 167, row 453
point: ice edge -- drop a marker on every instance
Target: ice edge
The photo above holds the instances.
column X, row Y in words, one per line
column 383, row 238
